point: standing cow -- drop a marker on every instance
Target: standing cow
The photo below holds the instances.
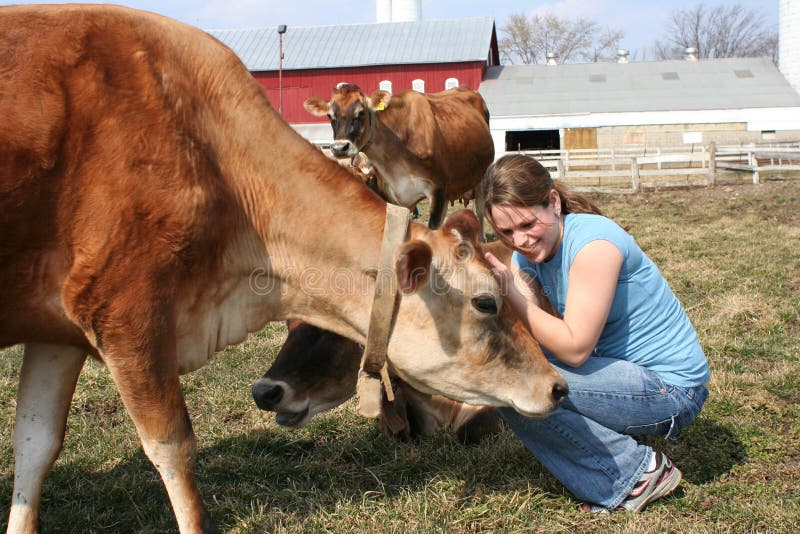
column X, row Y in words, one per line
column 435, row 146
column 154, row 209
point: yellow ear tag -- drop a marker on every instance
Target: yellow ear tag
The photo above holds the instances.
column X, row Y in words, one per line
column 381, row 106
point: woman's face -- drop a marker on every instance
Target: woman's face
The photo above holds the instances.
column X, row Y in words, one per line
column 534, row 230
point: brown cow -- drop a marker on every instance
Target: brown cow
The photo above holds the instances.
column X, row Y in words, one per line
column 434, row 146
column 155, row 209
column 316, row 371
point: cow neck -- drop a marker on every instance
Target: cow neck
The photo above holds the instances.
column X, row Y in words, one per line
column 383, row 148
column 309, row 213
column 323, row 223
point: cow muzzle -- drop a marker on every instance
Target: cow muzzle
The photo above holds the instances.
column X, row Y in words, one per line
column 267, row 394
column 343, row 149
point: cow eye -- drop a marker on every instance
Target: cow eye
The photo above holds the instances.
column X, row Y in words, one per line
column 485, row 304
column 463, row 252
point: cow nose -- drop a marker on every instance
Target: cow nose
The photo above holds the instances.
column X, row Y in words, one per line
column 560, row 392
column 340, row 148
column 267, row 394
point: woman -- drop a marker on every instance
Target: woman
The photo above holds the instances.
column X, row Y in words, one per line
column 624, row 344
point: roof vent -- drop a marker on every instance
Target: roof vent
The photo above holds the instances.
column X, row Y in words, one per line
column 670, row 76
column 622, row 55
column 597, row 78
column 552, row 58
column 690, row 53
column 746, row 73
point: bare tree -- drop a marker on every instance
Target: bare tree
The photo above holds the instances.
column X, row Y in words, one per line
column 528, row 40
column 716, row 32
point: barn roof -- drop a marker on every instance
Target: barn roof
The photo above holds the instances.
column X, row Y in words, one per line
column 355, row 45
column 733, row 83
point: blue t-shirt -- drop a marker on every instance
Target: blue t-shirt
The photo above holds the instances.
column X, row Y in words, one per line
column 646, row 324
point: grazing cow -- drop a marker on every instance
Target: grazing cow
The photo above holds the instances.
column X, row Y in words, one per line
column 155, row 209
column 316, row 370
column 434, row 146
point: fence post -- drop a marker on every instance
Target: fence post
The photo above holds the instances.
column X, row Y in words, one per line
column 754, row 164
column 712, row 163
column 635, row 181
column 560, row 170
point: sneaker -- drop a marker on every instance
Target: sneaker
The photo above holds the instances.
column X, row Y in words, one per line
column 659, row 482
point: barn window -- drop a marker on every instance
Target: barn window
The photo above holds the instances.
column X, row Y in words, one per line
column 450, row 83
column 418, row 85
column 385, row 85
column 532, row 140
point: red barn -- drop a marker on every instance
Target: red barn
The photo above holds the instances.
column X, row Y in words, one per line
column 426, row 55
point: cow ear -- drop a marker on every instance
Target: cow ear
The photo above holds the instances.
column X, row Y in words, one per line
column 413, row 265
column 464, row 224
column 379, row 100
column 317, row 106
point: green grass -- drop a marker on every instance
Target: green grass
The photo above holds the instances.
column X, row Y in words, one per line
column 731, row 253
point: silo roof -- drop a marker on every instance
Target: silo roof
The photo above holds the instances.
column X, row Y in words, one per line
column 354, row 45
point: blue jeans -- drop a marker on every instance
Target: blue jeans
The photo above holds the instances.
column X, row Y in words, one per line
column 586, row 443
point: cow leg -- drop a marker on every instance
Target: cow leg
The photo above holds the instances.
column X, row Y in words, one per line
column 438, row 208
column 46, row 385
column 152, row 396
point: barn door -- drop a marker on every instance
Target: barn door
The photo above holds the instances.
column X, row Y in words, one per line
column 580, row 138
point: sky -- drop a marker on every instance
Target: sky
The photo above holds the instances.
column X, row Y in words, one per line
column 639, row 20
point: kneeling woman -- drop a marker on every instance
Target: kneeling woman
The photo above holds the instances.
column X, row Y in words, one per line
column 624, row 344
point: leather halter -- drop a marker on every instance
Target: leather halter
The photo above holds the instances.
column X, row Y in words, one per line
column 374, row 368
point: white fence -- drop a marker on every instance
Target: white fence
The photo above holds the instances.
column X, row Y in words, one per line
column 631, row 169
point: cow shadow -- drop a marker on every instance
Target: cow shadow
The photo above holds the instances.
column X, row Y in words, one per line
column 287, row 472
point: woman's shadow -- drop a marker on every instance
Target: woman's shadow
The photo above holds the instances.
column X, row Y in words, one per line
column 704, row 451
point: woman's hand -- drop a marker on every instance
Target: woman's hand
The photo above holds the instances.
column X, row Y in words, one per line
column 515, row 285
column 501, row 272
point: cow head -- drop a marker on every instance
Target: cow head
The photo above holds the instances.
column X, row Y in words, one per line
column 443, row 274
column 315, row 371
column 352, row 115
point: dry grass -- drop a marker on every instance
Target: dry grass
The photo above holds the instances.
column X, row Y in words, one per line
column 729, row 252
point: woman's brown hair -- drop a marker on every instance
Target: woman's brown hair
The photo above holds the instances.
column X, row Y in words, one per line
column 518, row 180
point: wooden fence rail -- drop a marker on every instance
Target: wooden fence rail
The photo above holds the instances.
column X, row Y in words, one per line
column 630, row 169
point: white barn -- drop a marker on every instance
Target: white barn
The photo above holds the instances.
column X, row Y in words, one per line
column 654, row 103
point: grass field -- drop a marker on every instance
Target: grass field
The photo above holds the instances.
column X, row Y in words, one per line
column 731, row 254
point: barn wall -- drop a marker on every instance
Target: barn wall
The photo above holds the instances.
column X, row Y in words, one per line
column 298, row 85
column 681, row 134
